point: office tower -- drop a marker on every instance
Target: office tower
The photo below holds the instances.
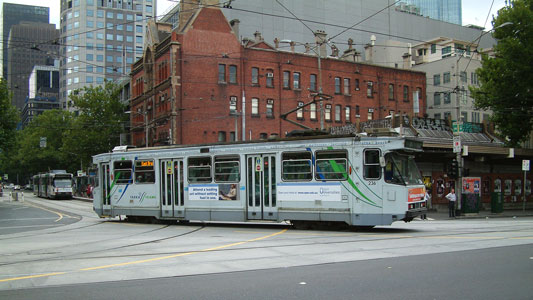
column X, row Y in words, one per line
column 444, row 10
column 29, row 44
column 43, row 91
column 100, row 39
column 13, row 14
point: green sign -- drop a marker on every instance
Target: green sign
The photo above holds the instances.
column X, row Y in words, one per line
column 454, row 126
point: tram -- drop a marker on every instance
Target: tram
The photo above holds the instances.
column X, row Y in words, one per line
column 55, row 184
column 357, row 180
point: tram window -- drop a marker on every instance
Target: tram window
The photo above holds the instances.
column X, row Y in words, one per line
column 227, row 169
column 199, row 169
column 144, row 171
column 122, row 171
column 297, row 166
column 331, row 165
column 372, row 168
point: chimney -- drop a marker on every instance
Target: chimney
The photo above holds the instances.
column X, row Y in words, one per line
column 235, row 27
column 257, row 37
column 407, row 60
column 292, row 45
column 187, row 10
column 320, row 38
column 276, row 43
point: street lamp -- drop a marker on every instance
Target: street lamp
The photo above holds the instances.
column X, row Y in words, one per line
column 145, row 114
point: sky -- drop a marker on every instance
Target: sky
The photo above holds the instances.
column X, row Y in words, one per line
column 474, row 11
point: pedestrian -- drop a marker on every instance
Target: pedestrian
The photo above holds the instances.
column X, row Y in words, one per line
column 451, row 203
column 426, row 199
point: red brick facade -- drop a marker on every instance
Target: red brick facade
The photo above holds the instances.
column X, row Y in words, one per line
column 210, row 73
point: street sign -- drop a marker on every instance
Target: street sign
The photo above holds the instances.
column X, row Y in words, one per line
column 525, row 165
column 456, row 144
column 42, row 142
column 454, row 126
column 6, row 177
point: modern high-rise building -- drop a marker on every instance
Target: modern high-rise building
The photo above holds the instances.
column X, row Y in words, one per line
column 29, row 44
column 13, row 14
column 444, row 10
column 100, row 39
column 44, row 92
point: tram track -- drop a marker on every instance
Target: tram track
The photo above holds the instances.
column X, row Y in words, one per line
column 73, row 257
column 62, row 257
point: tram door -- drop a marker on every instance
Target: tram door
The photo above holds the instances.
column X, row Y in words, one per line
column 106, row 189
column 172, row 188
column 261, row 187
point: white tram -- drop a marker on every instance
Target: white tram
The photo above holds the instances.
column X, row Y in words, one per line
column 361, row 181
column 54, row 184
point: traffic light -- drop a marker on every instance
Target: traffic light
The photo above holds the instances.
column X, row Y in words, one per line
column 454, row 169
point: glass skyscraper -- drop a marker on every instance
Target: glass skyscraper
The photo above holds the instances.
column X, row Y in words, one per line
column 445, row 10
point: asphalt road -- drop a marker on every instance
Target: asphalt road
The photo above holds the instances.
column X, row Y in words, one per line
column 21, row 217
column 496, row 273
column 97, row 258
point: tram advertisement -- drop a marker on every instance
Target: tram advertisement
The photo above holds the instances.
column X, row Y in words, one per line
column 221, row 191
column 309, row 191
column 416, row 194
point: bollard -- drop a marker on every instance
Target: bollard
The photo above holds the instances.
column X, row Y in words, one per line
column 22, row 198
column 10, row 196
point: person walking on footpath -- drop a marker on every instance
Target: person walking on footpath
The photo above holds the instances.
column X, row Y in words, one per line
column 451, row 203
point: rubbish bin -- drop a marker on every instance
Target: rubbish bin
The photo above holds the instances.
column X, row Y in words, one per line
column 496, row 202
column 470, row 203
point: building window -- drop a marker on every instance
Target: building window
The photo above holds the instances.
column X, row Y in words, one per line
column 221, row 136
column 109, row 15
column 327, row 113
column 270, row 78
column 436, row 98
column 357, row 111
column 286, row 79
column 232, row 105
column 338, row 113
column 139, row 28
column 89, row 57
column 356, row 82
column 370, row 89
column 232, row 74
column 255, row 76
column 300, row 112
column 446, row 51
column 270, row 108
column 370, row 114
column 221, row 73
column 312, row 111
column 337, row 85
column 109, row 37
column 312, row 82
column 346, row 86
column 436, row 79
column 406, row 93
column 391, row 91
column 433, row 48
column 463, row 77
column 347, row 115
column 446, row 77
column 296, row 80
column 255, row 107
column 447, row 98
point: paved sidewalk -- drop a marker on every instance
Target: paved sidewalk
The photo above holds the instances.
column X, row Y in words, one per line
column 484, row 214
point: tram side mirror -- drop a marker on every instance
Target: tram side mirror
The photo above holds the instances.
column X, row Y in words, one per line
column 382, row 162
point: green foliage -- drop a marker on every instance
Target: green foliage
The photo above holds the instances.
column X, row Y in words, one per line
column 71, row 139
column 30, row 157
column 507, row 79
column 8, row 118
column 99, row 124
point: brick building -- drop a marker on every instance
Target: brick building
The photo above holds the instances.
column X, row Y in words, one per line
column 200, row 84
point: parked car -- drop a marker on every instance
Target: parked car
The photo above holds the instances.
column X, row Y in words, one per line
column 17, row 187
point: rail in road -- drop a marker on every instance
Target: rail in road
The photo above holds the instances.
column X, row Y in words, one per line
column 94, row 250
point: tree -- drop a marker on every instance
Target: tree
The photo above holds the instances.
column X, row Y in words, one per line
column 30, row 158
column 9, row 118
column 99, row 124
column 507, row 78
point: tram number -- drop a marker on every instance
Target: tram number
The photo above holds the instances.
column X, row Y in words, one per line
column 372, row 183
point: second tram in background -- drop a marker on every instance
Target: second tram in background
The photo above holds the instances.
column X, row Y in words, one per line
column 360, row 181
column 56, row 184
